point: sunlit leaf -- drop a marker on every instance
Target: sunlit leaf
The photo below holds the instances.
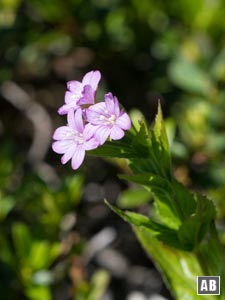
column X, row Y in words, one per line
column 133, row 197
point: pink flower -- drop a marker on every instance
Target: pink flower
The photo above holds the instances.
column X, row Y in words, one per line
column 74, row 139
column 107, row 119
column 81, row 93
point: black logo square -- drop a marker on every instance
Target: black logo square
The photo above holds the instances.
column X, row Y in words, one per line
column 208, row 285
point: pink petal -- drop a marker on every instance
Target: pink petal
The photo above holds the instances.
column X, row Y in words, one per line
column 88, row 96
column 116, row 107
column 109, row 102
column 112, row 104
column 62, row 133
column 116, row 133
column 71, row 97
column 78, row 158
column 71, row 119
column 68, row 155
column 78, row 121
column 89, row 131
column 66, row 107
column 61, row 147
column 124, row 121
column 102, row 133
column 99, row 108
column 91, row 144
column 75, row 86
column 94, row 112
column 92, row 78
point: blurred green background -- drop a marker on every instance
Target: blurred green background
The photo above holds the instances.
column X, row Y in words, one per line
column 55, row 230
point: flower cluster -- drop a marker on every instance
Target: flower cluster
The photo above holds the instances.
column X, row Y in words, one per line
column 89, row 124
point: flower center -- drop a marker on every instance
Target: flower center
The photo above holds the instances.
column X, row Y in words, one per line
column 79, row 139
column 76, row 137
column 108, row 120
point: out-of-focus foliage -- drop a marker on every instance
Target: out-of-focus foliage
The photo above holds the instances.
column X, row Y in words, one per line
column 146, row 50
column 39, row 247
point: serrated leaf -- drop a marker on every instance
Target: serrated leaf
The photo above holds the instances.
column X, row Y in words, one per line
column 141, row 140
column 194, row 228
column 161, row 232
column 160, row 146
column 159, row 129
column 178, row 200
column 185, row 200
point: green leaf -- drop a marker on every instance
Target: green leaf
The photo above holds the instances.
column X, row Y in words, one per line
column 179, row 269
column 99, row 283
column 141, row 141
column 160, row 146
column 163, row 214
column 163, row 233
column 6, row 205
column 190, row 77
column 114, row 149
column 178, row 199
column 22, row 240
column 136, row 115
column 38, row 292
column 194, row 229
column 160, row 130
column 134, row 197
column 43, row 254
column 218, row 67
column 184, row 199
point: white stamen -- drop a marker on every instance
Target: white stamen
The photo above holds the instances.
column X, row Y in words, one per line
column 108, row 121
column 75, row 136
column 102, row 118
column 79, row 139
column 112, row 119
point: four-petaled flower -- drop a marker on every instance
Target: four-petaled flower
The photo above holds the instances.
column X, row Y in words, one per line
column 107, row 119
column 74, row 139
column 81, row 93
